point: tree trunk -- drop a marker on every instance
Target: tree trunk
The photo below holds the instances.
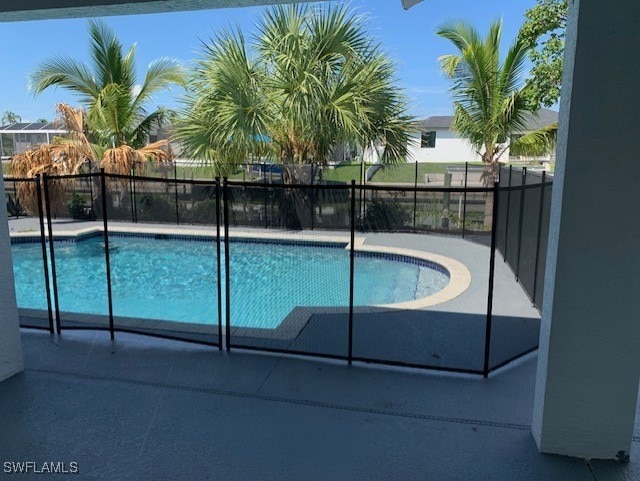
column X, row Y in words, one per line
column 489, row 176
column 296, row 203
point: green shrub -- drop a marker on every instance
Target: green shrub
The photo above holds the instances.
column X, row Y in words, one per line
column 385, row 215
column 14, row 208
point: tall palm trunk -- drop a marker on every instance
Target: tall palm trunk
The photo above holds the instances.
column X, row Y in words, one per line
column 489, row 177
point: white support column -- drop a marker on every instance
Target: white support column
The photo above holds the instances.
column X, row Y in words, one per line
column 589, row 357
column 10, row 345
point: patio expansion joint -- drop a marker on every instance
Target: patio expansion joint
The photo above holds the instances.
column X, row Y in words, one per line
column 284, row 400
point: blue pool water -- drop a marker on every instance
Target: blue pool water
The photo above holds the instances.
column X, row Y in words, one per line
column 176, row 280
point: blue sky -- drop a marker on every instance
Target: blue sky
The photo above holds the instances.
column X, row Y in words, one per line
column 409, row 37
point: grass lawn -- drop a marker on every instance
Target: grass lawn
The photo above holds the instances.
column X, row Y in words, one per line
column 5, row 168
column 406, row 173
column 342, row 173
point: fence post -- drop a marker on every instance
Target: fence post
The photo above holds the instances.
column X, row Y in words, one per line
column 415, row 196
column 15, row 196
column 520, row 219
column 492, row 265
column 225, row 203
column 105, row 233
column 352, row 268
column 218, row 263
column 362, row 207
column 506, row 225
column 52, row 255
column 464, row 200
column 175, row 178
column 313, row 195
column 132, row 193
column 45, row 261
column 266, row 215
column 540, row 208
column 446, row 200
column 93, row 210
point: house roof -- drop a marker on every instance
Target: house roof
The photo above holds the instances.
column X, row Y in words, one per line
column 541, row 118
column 536, row 121
column 436, row 122
column 29, row 127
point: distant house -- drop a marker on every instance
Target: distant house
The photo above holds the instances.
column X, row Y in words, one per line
column 19, row 137
column 437, row 142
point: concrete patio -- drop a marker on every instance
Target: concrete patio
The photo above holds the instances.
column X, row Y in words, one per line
column 143, row 408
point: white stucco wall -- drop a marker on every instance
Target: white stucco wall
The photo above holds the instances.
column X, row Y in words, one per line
column 449, row 148
column 588, row 360
column 10, row 346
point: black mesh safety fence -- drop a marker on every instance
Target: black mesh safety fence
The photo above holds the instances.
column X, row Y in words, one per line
column 386, row 210
column 451, row 211
column 25, row 210
column 154, row 201
column 164, row 281
column 78, row 250
column 521, row 233
column 288, row 267
column 545, row 193
column 526, row 268
column 523, row 226
column 288, row 262
column 412, row 290
column 513, row 205
column 503, row 209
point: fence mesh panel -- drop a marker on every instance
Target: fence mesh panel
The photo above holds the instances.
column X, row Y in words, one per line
column 526, row 267
column 289, row 283
column 544, row 234
column 289, row 262
column 523, row 228
column 164, row 282
column 28, row 263
column 503, row 210
column 514, row 200
column 395, row 320
column 79, row 250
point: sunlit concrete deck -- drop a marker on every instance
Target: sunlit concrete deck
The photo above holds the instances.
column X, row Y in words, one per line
column 143, row 408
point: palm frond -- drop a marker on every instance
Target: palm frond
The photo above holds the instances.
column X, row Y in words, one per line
column 113, row 101
column 538, row 142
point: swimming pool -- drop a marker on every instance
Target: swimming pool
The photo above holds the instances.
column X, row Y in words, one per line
column 176, row 279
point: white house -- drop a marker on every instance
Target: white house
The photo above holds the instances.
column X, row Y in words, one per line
column 437, row 142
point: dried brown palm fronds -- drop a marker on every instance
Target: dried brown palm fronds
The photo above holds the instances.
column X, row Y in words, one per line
column 123, row 159
column 48, row 159
column 72, row 120
column 45, row 159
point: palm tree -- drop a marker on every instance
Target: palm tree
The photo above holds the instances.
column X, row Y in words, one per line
column 114, row 100
column 9, row 117
column 489, row 105
column 316, row 80
column 70, row 155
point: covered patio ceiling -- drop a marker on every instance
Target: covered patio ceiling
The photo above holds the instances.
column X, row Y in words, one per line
column 47, row 9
